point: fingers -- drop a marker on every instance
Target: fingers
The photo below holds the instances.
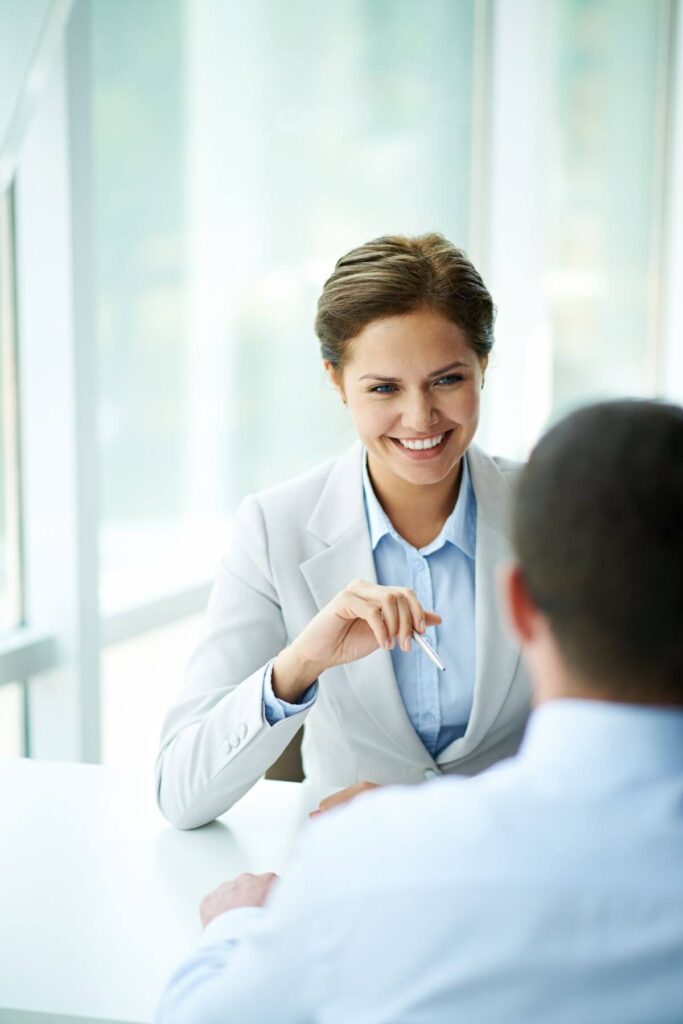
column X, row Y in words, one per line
column 247, row 890
column 402, row 613
column 342, row 797
column 384, row 612
column 400, row 610
column 406, row 624
column 391, row 616
column 372, row 614
column 333, row 801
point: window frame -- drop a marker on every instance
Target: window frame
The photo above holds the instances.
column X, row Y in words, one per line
column 10, row 421
column 59, row 631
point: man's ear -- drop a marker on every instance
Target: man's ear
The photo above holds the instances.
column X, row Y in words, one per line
column 517, row 604
column 335, row 379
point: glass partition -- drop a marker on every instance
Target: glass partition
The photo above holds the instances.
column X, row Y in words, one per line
column 579, row 170
column 230, row 174
column 605, row 154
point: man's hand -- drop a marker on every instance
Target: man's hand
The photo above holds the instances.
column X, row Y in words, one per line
column 244, row 891
column 342, row 797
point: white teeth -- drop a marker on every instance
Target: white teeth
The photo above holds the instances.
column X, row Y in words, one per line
column 429, row 442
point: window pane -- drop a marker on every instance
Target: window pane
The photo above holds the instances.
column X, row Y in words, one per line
column 140, row 141
column 53, row 697
column 604, row 157
column 5, row 613
column 144, row 673
column 11, row 720
column 230, row 174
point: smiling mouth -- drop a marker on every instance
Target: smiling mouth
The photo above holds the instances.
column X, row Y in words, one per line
column 422, row 447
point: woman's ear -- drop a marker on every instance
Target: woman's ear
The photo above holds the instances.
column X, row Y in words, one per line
column 335, row 379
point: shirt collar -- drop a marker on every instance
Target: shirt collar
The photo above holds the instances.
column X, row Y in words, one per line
column 599, row 742
column 460, row 528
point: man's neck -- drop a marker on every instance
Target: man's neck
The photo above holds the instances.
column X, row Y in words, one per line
column 568, row 686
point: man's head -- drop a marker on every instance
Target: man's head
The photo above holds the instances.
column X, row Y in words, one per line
column 597, row 596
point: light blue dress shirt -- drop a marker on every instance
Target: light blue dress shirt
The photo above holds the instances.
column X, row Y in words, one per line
column 442, row 575
column 547, row 890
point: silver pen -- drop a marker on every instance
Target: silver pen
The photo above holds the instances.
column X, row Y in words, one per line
column 428, row 649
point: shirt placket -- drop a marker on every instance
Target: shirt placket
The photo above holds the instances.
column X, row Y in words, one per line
column 426, row 673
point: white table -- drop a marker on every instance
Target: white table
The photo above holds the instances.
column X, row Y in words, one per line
column 99, row 895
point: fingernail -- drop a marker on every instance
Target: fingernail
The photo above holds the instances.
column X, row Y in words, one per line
column 423, row 625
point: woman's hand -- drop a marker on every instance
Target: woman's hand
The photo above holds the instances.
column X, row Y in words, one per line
column 359, row 620
column 343, row 797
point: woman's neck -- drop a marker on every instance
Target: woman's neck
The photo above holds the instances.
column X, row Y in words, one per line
column 416, row 511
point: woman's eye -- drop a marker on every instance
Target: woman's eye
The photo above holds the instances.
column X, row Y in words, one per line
column 388, row 389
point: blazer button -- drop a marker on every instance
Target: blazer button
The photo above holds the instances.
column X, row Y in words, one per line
column 241, row 730
column 234, row 740
column 227, row 747
column 430, row 773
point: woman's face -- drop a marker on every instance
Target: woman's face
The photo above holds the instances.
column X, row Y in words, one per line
column 412, row 385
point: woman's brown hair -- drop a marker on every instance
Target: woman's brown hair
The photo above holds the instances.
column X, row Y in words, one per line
column 396, row 274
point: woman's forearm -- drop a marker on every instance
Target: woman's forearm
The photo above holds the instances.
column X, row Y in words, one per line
column 292, row 675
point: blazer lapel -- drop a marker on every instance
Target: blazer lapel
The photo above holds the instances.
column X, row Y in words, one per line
column 497, row 654
column 339, row 521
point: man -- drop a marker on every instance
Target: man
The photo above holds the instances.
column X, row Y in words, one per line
column 550, row 888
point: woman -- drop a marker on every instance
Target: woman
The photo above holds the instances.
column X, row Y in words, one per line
column 312, row 614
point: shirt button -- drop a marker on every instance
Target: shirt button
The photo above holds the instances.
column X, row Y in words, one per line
column 429, row 773
column 429, row 717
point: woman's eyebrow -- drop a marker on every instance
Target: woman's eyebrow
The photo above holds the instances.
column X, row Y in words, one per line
column 393, row 380
column 451, row 366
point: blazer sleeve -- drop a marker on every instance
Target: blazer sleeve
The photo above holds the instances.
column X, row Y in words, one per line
column 215, row 741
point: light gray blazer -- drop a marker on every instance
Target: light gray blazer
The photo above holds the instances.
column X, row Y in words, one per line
column 294, row 547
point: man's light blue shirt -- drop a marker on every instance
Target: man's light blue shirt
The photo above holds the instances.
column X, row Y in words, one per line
column 442, row 576
column 548, row 890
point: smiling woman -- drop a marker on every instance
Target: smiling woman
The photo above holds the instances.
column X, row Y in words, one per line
column 331, row 574
column 417, row 424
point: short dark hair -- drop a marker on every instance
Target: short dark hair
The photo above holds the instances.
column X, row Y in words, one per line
column 598, row 530
column 398, row 274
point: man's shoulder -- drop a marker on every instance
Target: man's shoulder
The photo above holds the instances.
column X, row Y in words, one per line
column 391, row 833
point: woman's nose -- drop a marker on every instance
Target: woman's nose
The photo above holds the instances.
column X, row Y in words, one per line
column 419, row 414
